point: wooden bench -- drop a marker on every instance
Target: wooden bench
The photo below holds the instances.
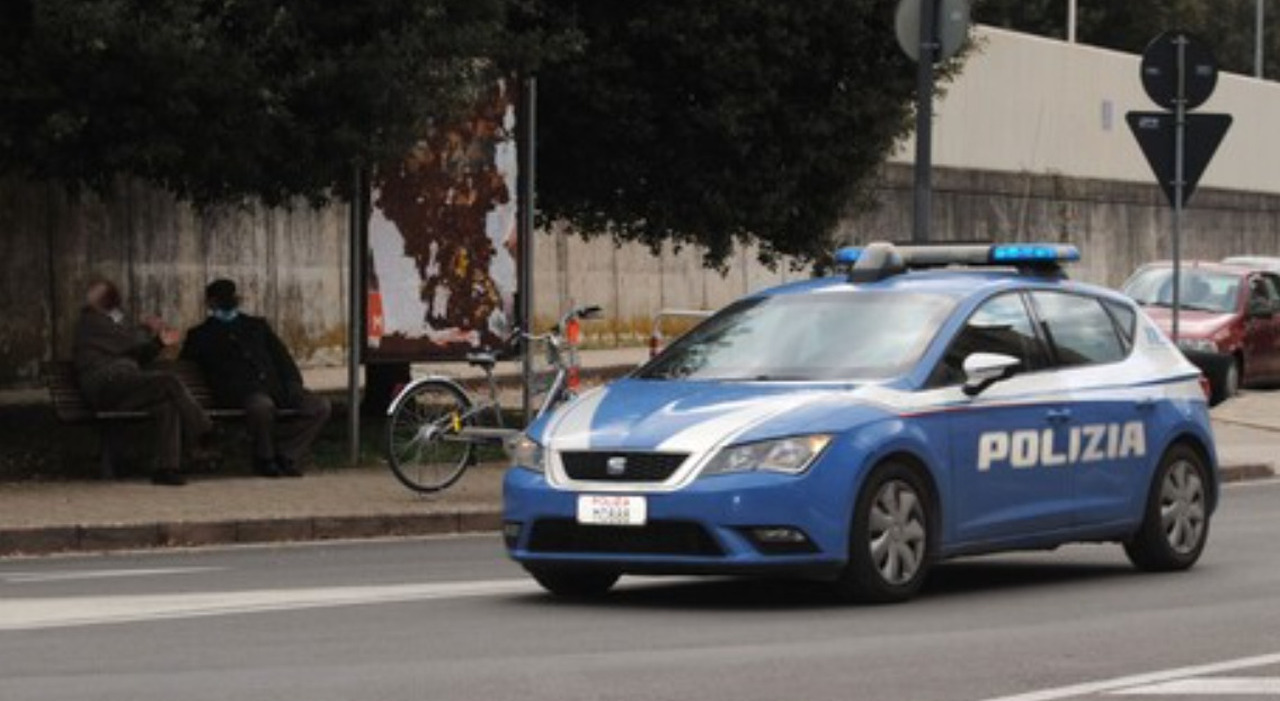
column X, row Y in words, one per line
column 70, row 406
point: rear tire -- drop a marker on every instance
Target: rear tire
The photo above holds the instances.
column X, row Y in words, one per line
column 416, row 450
column 890, row 548
column 574, row 583
column 1175, row 526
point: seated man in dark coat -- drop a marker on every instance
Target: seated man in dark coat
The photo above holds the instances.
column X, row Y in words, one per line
column 248, row 367
column 109, row 358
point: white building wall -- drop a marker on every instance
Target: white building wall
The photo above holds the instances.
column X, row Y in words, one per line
column 1028, row 104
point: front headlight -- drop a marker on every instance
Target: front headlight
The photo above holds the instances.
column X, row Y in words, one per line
column 1199, row 345
column 526, row 452
column 786, row 455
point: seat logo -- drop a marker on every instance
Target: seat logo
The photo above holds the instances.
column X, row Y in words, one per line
column 1048, row 448
column 616, row 466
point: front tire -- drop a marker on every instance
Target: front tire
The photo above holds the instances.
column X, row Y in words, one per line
column 1230, row 384
column 889, row 543
column 574, row 583
column 1175, row 526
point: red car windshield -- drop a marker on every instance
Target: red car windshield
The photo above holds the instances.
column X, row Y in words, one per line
column 1203, row 290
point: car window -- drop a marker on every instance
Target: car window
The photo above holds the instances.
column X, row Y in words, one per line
column 1126, row 321
column 1000, row 325
column 1263, row 287
column 1203, row 290
column 854, row 335
column 1079, row 329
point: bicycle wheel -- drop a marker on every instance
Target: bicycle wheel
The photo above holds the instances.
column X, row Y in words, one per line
column 418, row 449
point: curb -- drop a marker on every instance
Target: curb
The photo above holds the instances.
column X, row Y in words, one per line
column 112, row 537
column 1246, row 472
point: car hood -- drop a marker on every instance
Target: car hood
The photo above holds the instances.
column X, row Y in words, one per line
column 1192, row 323
column 680, row 416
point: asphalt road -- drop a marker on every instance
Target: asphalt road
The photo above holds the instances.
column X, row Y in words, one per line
column 451, row 619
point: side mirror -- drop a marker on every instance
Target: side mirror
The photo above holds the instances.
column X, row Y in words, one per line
column 981, row 370
column 1260, row 308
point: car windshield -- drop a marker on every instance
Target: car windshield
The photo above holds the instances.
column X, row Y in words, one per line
column 1200, row 289
column 846, row 335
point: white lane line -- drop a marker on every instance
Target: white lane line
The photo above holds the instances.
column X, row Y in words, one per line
column 77, row 575
column 60, row 612
column 1136, row 680
column 1211, row 686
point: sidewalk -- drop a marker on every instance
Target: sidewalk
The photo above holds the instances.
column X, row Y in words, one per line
column 46, row 517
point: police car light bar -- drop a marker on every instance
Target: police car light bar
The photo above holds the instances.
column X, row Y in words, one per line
column 881, row 260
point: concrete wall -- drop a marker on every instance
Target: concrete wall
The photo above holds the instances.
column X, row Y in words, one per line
column 1029, row 104
column 289, row 265
column 1118, row 226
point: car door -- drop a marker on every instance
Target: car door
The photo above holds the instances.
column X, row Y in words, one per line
column 1000, row 488
column 1262, row 333
column 1108, row 410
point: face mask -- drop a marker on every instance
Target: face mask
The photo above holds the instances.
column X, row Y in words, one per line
column 116, row 315
column 227, row 315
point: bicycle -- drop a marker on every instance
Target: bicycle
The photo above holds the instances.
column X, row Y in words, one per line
column 435, row 426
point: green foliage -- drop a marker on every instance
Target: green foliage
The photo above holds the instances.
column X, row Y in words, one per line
column 1228, row 26
column 705, row 122
column 218, row 100
column 714, row 121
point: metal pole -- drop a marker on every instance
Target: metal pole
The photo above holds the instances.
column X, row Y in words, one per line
column 528, row 165
column 1071, row 21
column 1179, row 143
column 355, row 313
column 1258, row 37
column 924, row 120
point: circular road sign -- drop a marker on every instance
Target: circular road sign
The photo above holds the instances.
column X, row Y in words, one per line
column 953, row 26
column 1160, row 70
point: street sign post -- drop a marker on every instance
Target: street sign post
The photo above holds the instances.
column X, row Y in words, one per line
column 928, row 31
column 1178, row 73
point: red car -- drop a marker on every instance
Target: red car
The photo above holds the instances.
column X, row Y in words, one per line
column 1230, row 320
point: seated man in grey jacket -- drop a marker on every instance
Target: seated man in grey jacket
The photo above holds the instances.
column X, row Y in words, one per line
column 110, row 357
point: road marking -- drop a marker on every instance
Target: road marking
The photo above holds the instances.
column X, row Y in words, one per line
column 77, row 575
column 60, row 612
column 1138, row 680
column 1212, row 686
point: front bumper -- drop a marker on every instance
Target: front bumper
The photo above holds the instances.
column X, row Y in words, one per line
column 708, row 527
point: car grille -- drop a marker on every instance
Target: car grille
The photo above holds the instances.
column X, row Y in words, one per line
column 593, row 466
column 655, row 538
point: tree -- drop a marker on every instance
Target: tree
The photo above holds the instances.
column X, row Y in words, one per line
column 218, row 100
column 719, row 121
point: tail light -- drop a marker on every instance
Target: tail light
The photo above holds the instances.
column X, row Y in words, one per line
column 1206, row 387
column 572, row 379
column 573, row 331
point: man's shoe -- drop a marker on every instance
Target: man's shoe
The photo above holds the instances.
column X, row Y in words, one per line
column 266, row 468
column 287, row 467
column 168, row 478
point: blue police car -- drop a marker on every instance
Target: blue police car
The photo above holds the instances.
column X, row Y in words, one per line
column 927, row 403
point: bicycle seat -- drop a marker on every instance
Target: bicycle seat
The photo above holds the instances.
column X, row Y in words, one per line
column 481, row 360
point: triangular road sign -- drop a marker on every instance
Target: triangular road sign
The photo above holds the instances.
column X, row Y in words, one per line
column 1156, row 135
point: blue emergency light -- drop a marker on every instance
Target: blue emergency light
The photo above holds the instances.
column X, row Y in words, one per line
column 1014, row 254
column 877, row 261
column 848, row 255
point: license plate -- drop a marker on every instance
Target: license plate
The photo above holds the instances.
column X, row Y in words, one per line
column 597, row 510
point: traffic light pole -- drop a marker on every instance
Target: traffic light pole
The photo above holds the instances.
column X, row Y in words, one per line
column 924, row 120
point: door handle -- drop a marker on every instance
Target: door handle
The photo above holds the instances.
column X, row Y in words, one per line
column 1058, row 416
column 1146, row 404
